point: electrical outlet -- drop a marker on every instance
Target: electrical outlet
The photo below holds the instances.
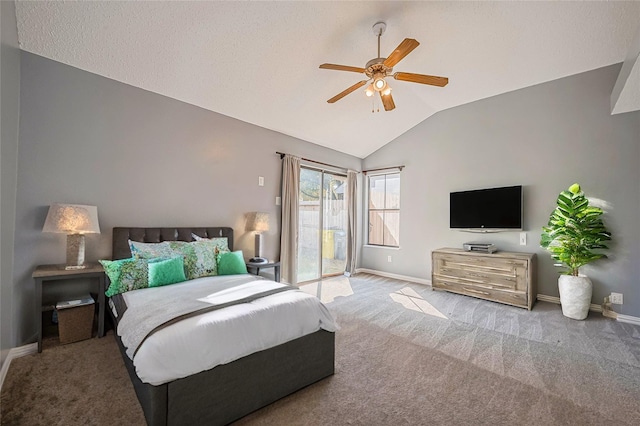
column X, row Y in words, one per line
column 523, row 238
column 260, row 181
column 616, row 298
column 388, row 258
column 278, row 201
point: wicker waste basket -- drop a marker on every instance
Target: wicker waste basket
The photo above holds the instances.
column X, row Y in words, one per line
column 75, row 319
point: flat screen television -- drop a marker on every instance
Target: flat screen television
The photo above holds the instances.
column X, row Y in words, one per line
column 492, row 209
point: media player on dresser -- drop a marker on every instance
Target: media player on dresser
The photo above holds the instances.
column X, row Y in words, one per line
column 480, row 247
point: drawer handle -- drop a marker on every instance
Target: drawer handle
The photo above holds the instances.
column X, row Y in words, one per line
column 477, row 275
column 477, row 291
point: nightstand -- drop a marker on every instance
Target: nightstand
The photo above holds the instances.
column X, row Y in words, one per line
column 257, row 266
column 48, row 275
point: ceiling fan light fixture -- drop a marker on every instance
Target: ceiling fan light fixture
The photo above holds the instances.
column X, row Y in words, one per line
column 387, row 91
column 379, row 83
column 369, row 91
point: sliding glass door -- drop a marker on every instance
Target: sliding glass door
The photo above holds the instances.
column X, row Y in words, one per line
column 322, row 224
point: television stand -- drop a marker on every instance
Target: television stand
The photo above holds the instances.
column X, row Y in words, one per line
column 500, row 277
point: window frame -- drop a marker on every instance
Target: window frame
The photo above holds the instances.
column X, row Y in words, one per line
column 382, row 210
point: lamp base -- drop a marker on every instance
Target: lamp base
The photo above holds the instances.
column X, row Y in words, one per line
column 75, row 251
column 258, row 260
column 258, row 247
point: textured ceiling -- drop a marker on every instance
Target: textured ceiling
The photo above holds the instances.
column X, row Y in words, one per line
column 258, row 61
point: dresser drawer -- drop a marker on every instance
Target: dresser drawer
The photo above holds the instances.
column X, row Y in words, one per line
column 517, row 298
column 491, row 261
column 495, row 278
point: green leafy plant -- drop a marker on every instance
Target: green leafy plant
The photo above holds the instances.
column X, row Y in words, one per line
column 575, row 233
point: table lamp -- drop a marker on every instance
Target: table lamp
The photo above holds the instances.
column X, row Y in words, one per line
column 258, row 222
column 75, row 220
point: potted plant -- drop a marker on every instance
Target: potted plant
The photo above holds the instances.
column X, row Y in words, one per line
column 575, row 236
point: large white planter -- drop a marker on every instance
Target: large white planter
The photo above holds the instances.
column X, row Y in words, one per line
column 575, row 295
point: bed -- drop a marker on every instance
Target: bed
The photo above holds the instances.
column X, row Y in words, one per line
column 230, row 391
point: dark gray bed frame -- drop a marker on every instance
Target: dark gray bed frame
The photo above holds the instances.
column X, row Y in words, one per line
column 230, row 391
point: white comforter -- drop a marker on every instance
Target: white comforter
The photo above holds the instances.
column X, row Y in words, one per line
column 202, row 342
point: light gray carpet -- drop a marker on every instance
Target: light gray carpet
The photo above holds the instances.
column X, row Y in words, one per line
column 404, row 355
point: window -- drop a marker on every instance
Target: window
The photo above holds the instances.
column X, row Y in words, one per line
column 384, row 210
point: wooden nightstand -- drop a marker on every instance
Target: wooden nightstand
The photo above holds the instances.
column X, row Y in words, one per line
column 49, row 274
column 257, row 266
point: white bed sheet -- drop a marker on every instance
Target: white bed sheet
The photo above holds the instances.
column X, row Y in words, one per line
column 202, row 342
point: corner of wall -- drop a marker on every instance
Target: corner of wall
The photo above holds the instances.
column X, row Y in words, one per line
column 10, row 118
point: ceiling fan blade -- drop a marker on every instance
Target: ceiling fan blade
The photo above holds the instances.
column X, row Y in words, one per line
column 347, row 91
column 387, row 101
column 341, row 68
column 403, row 49
column 421, row 78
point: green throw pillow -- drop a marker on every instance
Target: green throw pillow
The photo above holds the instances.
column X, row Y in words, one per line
column 126, row 274
column 165, row 271
column 231, row 263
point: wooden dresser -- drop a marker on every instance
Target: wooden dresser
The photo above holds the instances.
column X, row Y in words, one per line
column 501, row 277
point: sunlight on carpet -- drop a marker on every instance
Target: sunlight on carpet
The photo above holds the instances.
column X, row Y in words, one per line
column 329, row 289
column 408, row 298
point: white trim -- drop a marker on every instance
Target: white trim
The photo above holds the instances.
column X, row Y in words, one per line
column 395, row 276
column 382, row 247
column 550, row 299
column 628, row 319
column 595, row 308
column 16, row 353
column 554, row 299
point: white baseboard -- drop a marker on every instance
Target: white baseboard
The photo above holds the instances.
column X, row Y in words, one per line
column 395, row 276
column 556, row 300
column 16, row 353
column 628, row 319
column 550, row 299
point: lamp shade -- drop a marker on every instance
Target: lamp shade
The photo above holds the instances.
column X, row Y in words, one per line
column 257, row 221
column 72, row 219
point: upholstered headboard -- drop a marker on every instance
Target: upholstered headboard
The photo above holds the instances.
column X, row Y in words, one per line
column 121, row 237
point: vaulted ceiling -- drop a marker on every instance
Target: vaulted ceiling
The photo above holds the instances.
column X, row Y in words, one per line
column 258, row 61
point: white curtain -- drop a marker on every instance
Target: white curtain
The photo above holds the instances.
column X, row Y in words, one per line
column 289, row 235
column 352, row 199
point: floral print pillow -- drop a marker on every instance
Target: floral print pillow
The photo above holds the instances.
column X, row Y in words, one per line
column 150, row 250
column 126, row 275
column 222, row 243
column 199, row 256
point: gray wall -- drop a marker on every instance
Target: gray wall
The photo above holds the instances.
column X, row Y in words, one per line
column 143, row 159
column 9, row 121
column 544, row 137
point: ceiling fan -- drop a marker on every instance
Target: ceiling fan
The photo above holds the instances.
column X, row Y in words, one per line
column 378, row 68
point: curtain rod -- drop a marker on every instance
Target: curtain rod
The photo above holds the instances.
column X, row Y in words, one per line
column 281, row 154
column 383, row 168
